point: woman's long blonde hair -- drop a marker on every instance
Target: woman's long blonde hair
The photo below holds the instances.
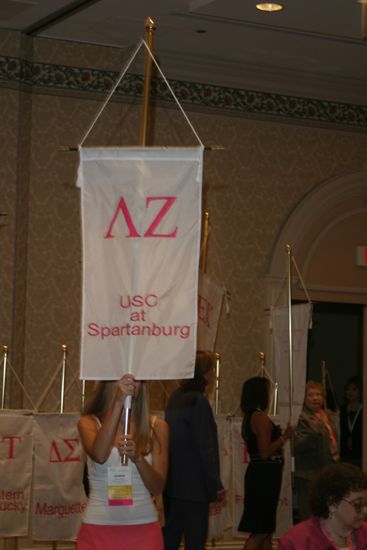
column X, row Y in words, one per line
column 102, row 399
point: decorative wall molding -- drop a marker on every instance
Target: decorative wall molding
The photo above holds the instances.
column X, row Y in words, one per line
column 16, row 71
column 321, row 208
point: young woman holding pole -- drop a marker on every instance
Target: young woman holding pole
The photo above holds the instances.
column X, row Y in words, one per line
column 121, row 513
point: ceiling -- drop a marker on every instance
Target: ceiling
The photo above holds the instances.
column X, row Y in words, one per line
column 311, row 48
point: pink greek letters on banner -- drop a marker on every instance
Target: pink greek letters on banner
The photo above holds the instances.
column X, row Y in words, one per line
column 205, row 308
column 15, row 473
column 58, row 495
column 219, row 513
column 209, row 307
column 65, row 451
column 122, row 206
column 11, row 439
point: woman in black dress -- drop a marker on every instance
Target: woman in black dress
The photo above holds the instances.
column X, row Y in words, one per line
column 263, row 477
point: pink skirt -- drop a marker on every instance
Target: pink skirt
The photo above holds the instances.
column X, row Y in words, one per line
column 146, row 536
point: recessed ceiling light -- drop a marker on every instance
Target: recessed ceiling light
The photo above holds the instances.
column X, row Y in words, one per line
column 270, row 6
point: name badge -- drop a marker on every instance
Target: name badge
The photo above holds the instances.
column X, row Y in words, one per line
column 120, row 491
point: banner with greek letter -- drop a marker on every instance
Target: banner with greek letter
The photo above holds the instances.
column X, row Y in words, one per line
column 58, row 494
column 210, row 304
column 301, row 323
column 141, row 219
column 16, row 447
column 219, row 512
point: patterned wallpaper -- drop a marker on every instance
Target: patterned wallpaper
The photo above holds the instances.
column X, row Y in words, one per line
column 250, row 188
column 190, row 94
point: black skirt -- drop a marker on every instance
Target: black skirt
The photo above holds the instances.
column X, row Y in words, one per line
column 262, row 488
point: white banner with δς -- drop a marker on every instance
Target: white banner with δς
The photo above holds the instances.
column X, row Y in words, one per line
column 58, row 495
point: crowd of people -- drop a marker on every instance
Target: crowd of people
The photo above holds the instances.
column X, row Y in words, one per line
column 178, row 457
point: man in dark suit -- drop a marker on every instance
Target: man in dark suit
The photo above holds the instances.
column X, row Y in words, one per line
column 193, row 477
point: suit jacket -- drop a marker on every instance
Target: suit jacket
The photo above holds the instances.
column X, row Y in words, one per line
column 312, row 448
column 193, row 448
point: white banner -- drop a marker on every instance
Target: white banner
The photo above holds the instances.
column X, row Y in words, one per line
column 210, row 304
column 301, row 322
column 16, row 447
column 240, row 461
column 58, row 495
column 141, row 218
column 219, row 513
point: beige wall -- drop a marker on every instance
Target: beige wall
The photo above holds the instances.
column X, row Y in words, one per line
column 250, row 189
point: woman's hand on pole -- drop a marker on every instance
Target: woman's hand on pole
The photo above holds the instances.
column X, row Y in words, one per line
column 127, row 447
column 98, row 440
column 125, row 386
column 289, row 432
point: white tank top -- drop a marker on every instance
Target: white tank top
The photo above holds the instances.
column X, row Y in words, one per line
column 98, row 511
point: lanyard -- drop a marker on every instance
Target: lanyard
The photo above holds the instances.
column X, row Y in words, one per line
column 352, row 424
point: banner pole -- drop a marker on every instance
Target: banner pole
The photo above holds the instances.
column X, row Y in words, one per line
column 126, row 417
column 83, row 395
column 149, row 31
column 64, row 349
column 275, row 404
column 5, row 365
column 217, row 372
column 289, row 252
column 204, row 250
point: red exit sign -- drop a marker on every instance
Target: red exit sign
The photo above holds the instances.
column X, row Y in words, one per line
column 362, row 256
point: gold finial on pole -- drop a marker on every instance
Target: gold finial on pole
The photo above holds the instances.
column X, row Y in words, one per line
column 262, row 362
column 149, row 31
column 5, row 364
column 64, row 349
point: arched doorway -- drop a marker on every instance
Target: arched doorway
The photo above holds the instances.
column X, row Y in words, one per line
column 324, row 230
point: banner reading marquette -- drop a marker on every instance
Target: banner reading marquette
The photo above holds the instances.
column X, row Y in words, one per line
column 141, row 218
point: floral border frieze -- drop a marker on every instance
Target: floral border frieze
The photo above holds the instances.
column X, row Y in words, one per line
column 61, row 77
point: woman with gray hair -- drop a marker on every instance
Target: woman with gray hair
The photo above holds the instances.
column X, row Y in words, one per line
column 315, row 444
column 338, row 502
